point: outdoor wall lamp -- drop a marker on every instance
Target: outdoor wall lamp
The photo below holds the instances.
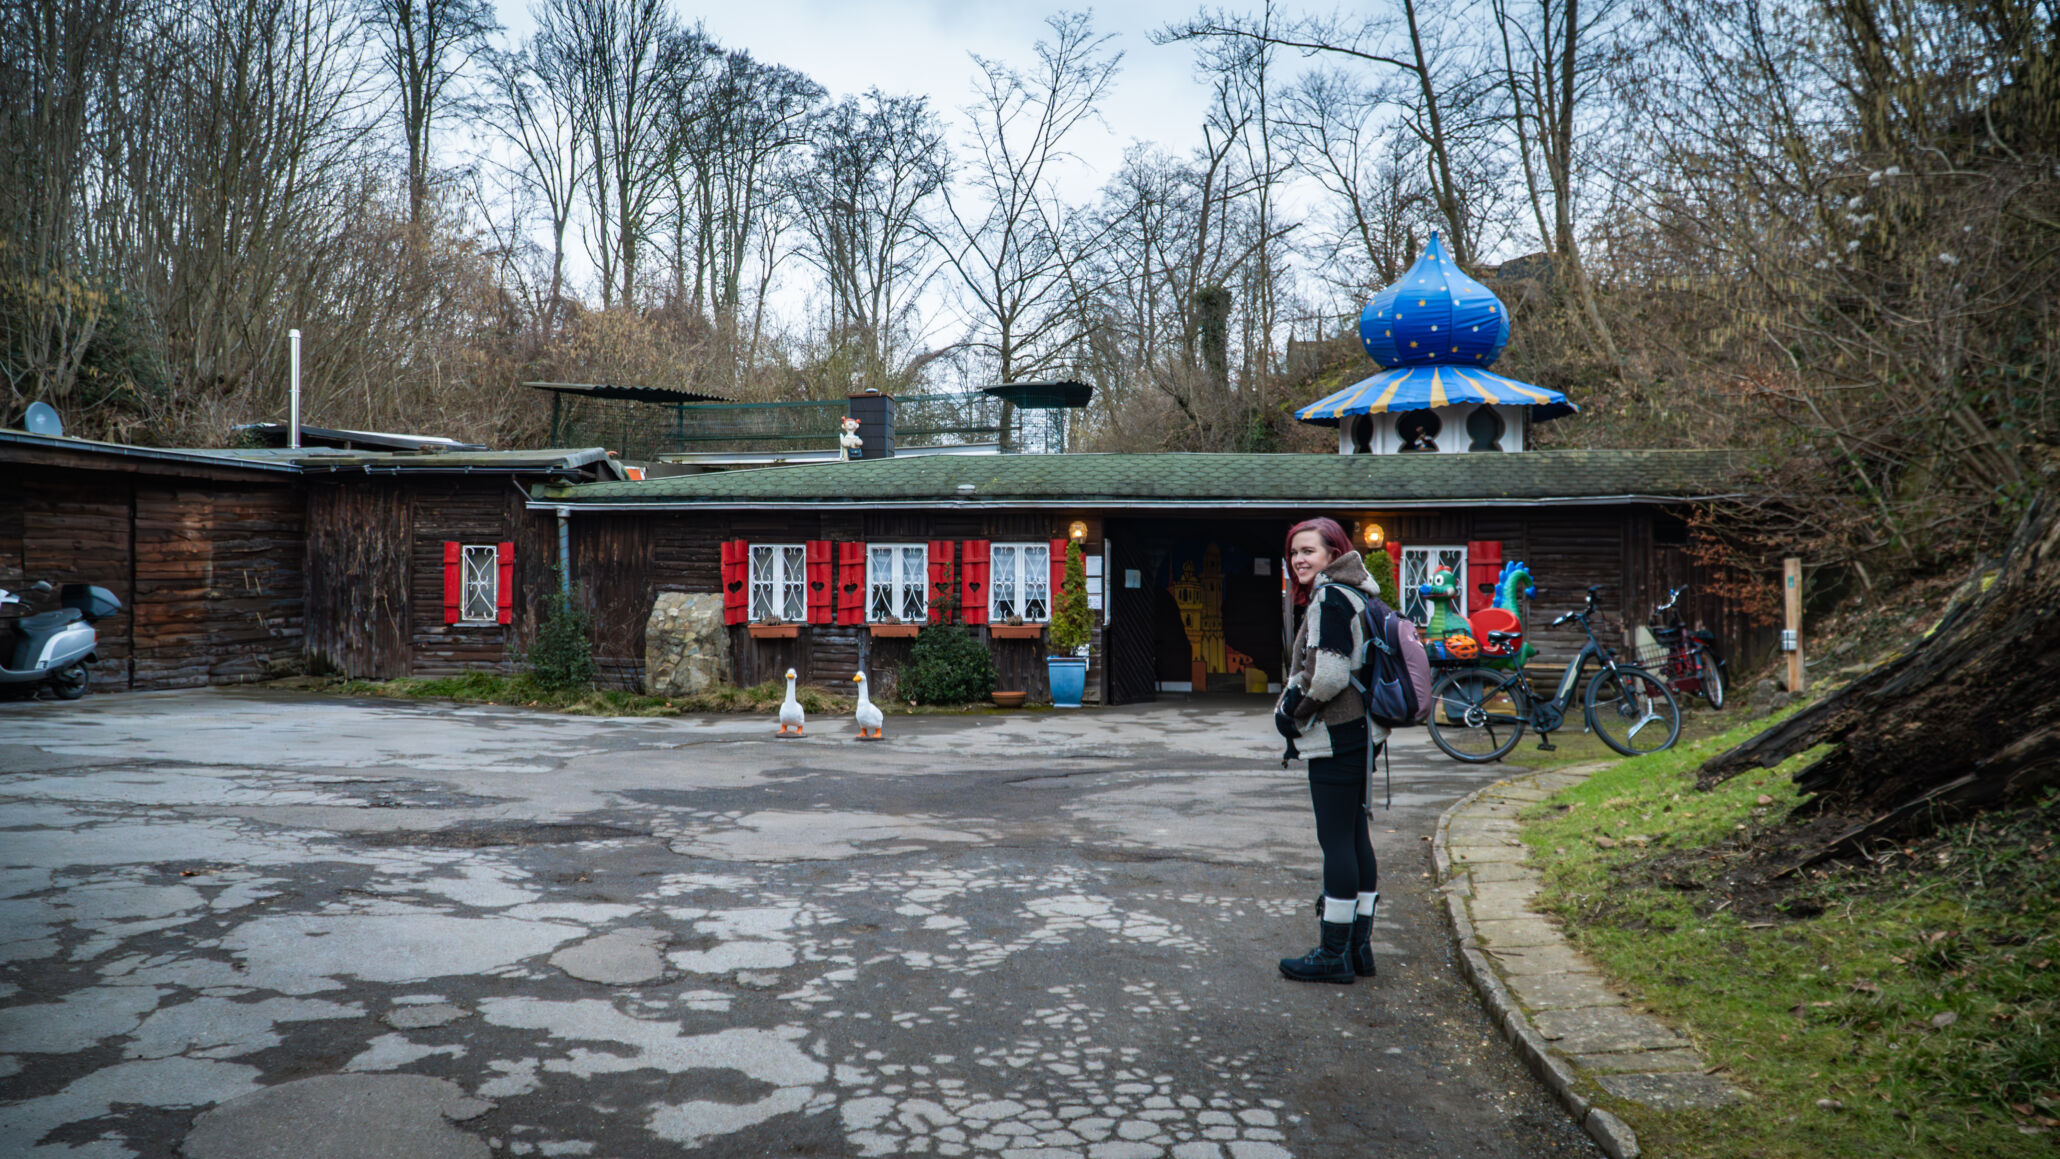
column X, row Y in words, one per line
column 1373, row 535
column 1079, row 529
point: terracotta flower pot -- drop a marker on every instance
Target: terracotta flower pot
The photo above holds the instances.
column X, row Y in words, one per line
column 1008, row 699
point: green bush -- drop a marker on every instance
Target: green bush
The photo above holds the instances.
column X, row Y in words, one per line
column 563, row 654
column 947, row 666
column 1071, row 626
column 1381, row 566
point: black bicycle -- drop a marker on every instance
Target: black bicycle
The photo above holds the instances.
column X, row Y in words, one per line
column 1478, row 714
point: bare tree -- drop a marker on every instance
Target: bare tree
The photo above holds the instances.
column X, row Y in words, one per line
column 1556, row 56
column 423, row 46
column 1004, row 237
column 1378, row 195
column 877, row 163
column 532, row 106
column 624, row 59
column 1439, row 92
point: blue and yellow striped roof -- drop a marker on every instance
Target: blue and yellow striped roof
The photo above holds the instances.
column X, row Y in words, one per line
column 1419, row 387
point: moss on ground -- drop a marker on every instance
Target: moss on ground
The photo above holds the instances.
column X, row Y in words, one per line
column 1902, row 1005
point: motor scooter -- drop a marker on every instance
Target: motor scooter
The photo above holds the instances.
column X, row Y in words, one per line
column 55, row 646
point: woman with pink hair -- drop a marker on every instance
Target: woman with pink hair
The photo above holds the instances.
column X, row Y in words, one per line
column 1323, row 718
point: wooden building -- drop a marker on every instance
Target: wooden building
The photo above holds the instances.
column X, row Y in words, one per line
column 246, row 564
column 828, row 568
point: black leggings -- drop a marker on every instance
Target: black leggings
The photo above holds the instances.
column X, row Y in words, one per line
column 1349, row 868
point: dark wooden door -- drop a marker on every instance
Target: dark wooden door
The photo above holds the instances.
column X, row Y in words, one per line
column 1132, row 668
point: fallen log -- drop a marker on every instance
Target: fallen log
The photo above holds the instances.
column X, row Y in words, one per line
column 1965, row 718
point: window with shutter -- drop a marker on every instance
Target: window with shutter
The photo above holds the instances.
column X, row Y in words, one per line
column 1418, row 565
column 1484, row 567
column 1019, row 583
column 779, row 583
column 897, row 583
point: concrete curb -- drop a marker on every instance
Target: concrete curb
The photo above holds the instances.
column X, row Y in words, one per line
column 1612, row 1134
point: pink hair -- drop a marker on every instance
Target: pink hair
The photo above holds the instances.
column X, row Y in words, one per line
column 1333, row 537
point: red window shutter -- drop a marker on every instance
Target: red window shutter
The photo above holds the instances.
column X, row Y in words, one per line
column 736, row 581
column 453, row 580
column 1484, row 566
column 851, row 583
column 941, row 551
column 820, row 586
column 1058, row 571
column 1394, row 551
column 504, row 591
column 972, row 582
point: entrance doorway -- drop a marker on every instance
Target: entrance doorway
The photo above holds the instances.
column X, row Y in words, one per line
column 1194, row 606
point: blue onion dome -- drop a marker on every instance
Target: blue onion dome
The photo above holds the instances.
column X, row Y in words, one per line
column 1434, row 315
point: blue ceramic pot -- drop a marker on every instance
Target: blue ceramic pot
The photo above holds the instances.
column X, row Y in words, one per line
column 1068, row 679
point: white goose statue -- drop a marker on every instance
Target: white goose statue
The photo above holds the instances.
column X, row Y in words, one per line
column 790, row 710
column 869, row 716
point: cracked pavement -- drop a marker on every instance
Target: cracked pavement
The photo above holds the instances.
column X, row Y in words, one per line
column 254, row 923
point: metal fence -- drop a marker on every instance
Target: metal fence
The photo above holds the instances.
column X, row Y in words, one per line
column 646, row 430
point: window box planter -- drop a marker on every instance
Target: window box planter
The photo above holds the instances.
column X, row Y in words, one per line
column 895, row 631
column 1015, row 631
column 775, row 631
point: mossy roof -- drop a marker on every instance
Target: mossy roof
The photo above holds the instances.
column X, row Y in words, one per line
column 1187, row 480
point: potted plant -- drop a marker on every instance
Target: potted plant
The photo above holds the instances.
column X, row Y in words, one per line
column 1066, row 660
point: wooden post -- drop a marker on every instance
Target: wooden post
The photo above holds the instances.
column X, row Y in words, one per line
column 1791, row 635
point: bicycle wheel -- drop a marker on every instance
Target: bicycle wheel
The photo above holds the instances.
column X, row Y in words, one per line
column 1477, row 715
column 1632, row 711
column 1712, row 679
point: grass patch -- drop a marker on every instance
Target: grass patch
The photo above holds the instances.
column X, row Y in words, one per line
column 1572, row 746
column 1919, row 992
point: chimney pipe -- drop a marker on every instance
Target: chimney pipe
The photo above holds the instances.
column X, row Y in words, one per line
column 293, row 420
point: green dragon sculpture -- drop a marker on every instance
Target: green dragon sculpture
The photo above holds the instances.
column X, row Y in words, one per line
column 1507, row 614
column 1442, row 594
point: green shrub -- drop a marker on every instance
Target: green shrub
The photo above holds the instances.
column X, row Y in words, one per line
column 1071, row 626
column 947, row 666
column 1381, row 566
column 563, row 654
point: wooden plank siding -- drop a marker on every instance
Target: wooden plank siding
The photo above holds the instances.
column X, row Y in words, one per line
column 358, row 554
column 209, row 570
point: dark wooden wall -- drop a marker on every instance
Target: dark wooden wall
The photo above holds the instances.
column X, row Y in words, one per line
column 209, row 570
column 622, row 562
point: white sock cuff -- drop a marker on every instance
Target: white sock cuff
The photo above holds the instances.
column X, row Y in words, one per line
column 1338, row 909
column 1366, row 903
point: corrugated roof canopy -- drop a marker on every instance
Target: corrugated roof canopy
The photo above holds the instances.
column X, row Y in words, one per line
column 662, row 394
column 1197, row 481
column 1062, row 395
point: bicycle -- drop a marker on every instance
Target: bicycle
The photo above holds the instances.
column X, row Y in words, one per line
column 1478, row 714
column 1687, row 659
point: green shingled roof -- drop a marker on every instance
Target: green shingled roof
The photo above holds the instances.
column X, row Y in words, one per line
column 1158, row 480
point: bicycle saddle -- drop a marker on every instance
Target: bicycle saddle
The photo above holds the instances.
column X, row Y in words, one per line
column 1504, row 637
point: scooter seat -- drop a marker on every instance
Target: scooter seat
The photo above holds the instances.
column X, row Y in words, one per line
column 48, row 621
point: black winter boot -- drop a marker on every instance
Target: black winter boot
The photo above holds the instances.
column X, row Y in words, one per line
column 1326, row 963
column 1361, row 955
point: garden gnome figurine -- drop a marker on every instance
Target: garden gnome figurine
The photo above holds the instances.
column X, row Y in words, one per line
column 849, row 440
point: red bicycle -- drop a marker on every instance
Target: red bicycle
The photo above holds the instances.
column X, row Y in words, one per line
column 1686, row 658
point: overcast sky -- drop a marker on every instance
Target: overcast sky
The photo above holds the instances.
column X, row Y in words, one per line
column 922, row 46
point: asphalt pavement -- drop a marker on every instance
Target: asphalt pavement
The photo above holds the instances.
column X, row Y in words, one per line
column 242, row 924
